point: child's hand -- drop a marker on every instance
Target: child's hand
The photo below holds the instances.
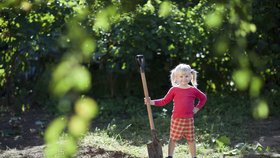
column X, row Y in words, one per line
column 148, row 101
column 195, row 110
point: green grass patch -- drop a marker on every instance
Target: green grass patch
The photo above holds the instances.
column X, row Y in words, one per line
column 220, row 128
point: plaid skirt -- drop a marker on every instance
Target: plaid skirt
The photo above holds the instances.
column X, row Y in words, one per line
column 182, row 127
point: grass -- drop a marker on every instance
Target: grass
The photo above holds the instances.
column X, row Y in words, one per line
column 101, row 139
column 220, row 128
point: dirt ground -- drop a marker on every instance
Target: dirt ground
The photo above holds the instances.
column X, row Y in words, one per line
column 22, row 137
column 23, row 131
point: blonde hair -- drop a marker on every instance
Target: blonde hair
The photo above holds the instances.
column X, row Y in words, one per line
column 183, row 68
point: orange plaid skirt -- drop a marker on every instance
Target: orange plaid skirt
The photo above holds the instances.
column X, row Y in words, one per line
column 182, row 127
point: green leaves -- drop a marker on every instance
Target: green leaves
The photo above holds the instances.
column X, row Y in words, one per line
column 105, row 18
column 242, row 78
column 222, row 45
column 36, row 35
column 86, row 108
column 149, row 8
column 88, row 47
column 55, row 129
column 69, row 76
column 214, row 19
column 260, row 110
column 222, row 142
column 164, row 9
column 60, row 145
column 255, row 87
column 52, row 135
column 2, row 76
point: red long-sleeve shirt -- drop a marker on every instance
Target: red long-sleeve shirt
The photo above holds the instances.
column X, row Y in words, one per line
column 183, row 101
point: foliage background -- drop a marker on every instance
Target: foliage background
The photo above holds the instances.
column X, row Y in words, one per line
column 57, row 54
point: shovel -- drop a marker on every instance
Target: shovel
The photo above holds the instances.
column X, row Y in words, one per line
column 154, row 147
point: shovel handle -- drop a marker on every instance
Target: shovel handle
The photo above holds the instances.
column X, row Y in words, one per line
column 141, row 63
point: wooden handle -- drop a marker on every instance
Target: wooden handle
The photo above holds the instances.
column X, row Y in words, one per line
column 149, row 109
column 140, row 60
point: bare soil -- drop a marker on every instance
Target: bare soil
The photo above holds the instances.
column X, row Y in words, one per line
column 22, row 137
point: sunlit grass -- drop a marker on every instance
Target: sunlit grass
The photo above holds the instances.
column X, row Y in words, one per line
column 219, row 131
column 100, row 139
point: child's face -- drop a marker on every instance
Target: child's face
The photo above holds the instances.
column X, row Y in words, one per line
column 183, row 78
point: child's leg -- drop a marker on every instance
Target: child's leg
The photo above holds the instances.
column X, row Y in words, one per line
column 192, row 148
column 190, row 136
column 171, row 147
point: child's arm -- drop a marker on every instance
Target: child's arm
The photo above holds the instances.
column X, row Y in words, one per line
column 163, row 101
column 201, row 99
column 195, row 110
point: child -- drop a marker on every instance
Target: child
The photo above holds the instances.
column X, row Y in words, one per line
column 183, row 96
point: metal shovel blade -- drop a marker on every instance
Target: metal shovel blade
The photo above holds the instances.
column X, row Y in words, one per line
column 154, row 147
